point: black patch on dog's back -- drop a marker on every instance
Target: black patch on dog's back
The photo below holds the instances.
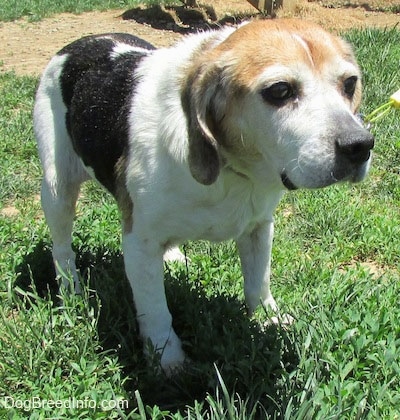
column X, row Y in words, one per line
column 97, row 91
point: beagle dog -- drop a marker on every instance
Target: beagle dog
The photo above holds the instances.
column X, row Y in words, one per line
column 196, row 141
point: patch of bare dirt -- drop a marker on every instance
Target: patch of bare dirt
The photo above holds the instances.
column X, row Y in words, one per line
column 374, row 269
column 9, row 211
column 26, row 47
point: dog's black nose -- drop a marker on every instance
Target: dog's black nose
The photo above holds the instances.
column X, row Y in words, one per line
column 355, row 145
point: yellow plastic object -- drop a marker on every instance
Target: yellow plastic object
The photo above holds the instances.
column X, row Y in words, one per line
column 395, row 98
column 382, row 110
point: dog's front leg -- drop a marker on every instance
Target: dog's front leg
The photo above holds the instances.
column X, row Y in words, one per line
column 145, row 271
column 255, row 255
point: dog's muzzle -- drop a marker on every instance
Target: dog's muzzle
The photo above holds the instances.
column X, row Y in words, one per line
column 352, row 144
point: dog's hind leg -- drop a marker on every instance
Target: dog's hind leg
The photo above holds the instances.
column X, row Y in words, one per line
column 63, row 171
column 58, row 202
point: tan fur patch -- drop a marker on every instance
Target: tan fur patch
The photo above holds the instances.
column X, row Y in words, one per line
column 263, row 43
column 122, row 196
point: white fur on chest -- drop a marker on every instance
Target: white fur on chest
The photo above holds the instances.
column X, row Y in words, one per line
column 179, row 209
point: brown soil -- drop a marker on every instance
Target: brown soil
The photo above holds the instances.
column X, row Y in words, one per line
column 26, row 47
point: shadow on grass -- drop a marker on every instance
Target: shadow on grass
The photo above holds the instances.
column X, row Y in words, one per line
column 216, row 332
column 183, row 19
column 38, row 267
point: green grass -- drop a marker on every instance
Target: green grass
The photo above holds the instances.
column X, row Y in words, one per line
column 35, row 10
column 335, row 270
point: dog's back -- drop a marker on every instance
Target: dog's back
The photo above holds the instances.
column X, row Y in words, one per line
column 96, row 81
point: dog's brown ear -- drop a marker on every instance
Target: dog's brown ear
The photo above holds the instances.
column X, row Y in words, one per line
column 203, row 101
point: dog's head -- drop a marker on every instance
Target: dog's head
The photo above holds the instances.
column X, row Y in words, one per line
column 277, row 100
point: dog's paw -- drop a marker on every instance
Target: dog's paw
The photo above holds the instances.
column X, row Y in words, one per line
column 283, row 320
column 175, row 366
column 270, row 303
column 173, row 358
column 254, row 298
column 166, row 354
column 175, row 254
column 278, row 319
column 69, row 283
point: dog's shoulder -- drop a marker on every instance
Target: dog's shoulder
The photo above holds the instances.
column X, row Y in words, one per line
column 160, row 113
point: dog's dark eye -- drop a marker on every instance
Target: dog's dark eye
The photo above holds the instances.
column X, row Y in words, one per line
column 278, row 93
column 349, row 86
